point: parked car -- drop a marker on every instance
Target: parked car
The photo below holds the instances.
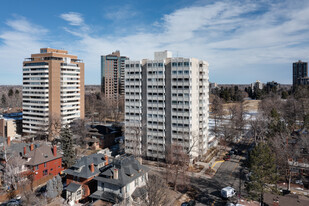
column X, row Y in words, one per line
column 299, row 182
column 227, row 157
column 232, row 152
column 190, row 203
column 232, row 204
column 228, row 192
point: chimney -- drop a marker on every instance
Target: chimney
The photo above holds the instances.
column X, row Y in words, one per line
column 31, row 146
column 116, row 174
column 55, row 150
column 276, row 201
column 9, row 141
column 25, row 150
column 92, row 168
column 106, row 160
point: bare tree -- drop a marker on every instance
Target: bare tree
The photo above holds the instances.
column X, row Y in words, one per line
column 258, row 127
column 12, row 171
column 156, row 192
column 177, row 160
column 217, row 113
column 79, row 130
column 54, row 127
column 284, row 152
column 134, row 140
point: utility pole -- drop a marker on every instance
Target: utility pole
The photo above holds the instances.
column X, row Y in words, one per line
column 239, row 193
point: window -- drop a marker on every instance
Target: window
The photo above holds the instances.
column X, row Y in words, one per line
column 37, row 167
column 45, row 172
column 44, row 164
column 79, row 192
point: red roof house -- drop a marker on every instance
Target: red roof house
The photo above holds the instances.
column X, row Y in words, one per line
column 44, row 160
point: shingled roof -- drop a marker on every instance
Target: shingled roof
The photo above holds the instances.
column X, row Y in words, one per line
column 17, row 148
column 82, row 166
column 73, row 187
column 40, row 155
column 128, row 167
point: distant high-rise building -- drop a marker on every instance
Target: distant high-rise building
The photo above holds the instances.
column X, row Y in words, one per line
column 112, row 74
column 300, row 72
column 53, row 89
column 166, row 103
column 256, row 85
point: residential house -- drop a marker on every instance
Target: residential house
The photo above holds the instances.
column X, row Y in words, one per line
column 79, row 177
column 106, row 134
column 44, row 160
column 14, row 152
column 41, row 160
column 121, row 180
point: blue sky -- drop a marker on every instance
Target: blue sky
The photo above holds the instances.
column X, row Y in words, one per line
column 243, row 41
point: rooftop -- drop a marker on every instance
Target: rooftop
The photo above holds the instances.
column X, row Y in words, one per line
column 82, row 167
column 128, row 168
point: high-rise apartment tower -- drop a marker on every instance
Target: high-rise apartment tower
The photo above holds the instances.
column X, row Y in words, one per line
column 300, row 72
column 112, row 74
column 53, row 89
column 166, row 103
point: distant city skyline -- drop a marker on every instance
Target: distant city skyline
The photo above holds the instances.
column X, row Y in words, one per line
column 242, row 40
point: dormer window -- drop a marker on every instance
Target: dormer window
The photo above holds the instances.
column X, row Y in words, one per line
column 80, row 169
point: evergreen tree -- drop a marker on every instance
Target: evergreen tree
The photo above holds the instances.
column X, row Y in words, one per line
column 68, row 158
column 10, row 93
column 3, row 100
column 263, row 170
column 284, row 95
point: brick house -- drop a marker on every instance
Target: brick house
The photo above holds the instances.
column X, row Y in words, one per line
column 44, row 160
column 79, row 177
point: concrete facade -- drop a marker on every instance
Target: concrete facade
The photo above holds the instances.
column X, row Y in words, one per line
column 112, row 74
column 8, row 127
column 53, row 89
column 300, row 73
column 166, row 103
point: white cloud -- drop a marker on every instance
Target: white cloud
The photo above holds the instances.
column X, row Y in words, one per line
column 22, row 25
column 237, row 38
column 74, row 18
column 22, row 39
column 120, row 13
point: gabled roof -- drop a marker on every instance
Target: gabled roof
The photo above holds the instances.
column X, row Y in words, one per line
column 73, row 187
column 82, row 166
column 17, row 148
column 128, row 168
column 41, row 155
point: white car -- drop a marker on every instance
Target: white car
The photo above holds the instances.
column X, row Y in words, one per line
column 228, row 192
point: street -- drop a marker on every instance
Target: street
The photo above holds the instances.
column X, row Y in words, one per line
column 227, row 175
